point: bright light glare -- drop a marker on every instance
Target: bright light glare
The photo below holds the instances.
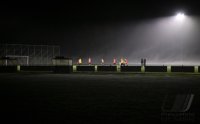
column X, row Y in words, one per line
column 180, row 16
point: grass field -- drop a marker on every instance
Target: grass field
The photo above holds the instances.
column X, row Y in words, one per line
column 93, row 98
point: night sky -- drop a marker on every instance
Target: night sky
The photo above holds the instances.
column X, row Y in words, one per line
column 94, row 29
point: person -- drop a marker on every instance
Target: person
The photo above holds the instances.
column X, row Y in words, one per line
column 122, row 62
column 89, row 61
column 142, row 62
column 114, row 61
column 126, row 61
column 102, row 61
column 79, row 61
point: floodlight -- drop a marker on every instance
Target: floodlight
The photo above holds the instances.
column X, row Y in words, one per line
column 180, row 16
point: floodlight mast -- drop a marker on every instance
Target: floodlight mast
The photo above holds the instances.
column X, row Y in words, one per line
column 180, row 16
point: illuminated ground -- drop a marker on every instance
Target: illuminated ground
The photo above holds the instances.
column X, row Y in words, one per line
column 91, row 98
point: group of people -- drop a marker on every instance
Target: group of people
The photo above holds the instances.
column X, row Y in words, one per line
column 80, row 61
column 122, row 62
column 143, row 62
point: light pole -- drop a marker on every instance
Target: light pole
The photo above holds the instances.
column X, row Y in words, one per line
column 180, row 17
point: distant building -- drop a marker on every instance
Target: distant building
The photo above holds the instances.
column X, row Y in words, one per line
column 62, row 64
column 62, row 61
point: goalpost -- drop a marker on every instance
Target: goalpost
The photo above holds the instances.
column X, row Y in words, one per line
column 18, row 58
column 28, row 54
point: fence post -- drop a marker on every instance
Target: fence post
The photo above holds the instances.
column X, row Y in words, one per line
column 168, row 69
column 95, row 68
column 18, row 68
column 74, row 68
column 118, row 68
column 143, row 69
column 196, row 69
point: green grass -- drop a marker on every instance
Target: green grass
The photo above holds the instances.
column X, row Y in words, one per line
column 91, row 97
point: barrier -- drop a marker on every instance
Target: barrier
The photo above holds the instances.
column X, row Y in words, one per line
column 182, row 69
column 155, row 68
column 198, row 68
column 130, row 68
column 107, row 68
column 8, row 69
column 85, row 68
column 101, row 68
column 37, row 68
column 63, row 69
column 168, row 69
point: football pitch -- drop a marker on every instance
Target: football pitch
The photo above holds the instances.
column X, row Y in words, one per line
column 97, row 98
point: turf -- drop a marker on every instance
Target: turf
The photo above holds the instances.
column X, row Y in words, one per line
column 92, row 98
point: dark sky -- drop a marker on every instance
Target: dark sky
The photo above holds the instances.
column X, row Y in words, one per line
column 81, row 28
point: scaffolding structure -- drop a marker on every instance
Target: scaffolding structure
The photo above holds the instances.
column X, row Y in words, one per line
column 30, row 54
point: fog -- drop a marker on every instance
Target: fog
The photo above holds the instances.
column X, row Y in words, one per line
column 161, row 41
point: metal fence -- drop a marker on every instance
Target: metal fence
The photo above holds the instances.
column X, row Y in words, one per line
column 30, row 54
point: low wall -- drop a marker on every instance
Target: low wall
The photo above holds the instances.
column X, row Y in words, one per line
column 85, row 68
column 198, row 68
column 130, row 68
column 107, row 68
column 8, row 69
column 63, row 69
column 37, row 68
column 182, row 68
column 81, row 68
column 155, row 68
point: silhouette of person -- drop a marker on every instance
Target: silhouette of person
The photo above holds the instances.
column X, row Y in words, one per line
column 114, row 61
column 102, row 61
column 142, row 62
column 79, row 61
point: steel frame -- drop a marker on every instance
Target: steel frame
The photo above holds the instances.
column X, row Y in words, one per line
column 37, row 54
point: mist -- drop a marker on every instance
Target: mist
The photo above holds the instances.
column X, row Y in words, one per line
column 161, row 41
